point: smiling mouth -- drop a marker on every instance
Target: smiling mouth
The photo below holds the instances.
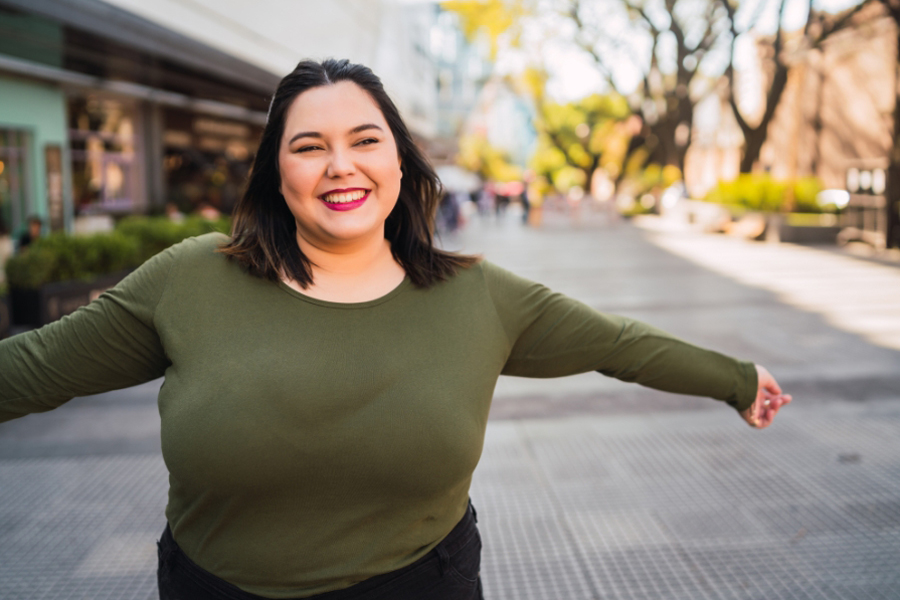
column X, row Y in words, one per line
column 344, row 200
column 345, row 197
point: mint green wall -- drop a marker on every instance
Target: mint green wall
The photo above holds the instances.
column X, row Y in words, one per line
column 39, row 109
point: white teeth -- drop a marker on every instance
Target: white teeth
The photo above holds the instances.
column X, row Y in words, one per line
column 344, row 198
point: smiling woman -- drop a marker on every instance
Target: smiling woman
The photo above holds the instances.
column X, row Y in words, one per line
column 341, row 202
column 329, row 372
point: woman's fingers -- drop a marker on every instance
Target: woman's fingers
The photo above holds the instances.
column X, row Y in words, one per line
column 769, row 400
column 766, row 382
column 768, row 408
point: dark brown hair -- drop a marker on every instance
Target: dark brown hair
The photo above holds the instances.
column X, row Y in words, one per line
column 264, row 234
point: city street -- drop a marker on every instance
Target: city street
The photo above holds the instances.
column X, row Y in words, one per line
column 588, row 487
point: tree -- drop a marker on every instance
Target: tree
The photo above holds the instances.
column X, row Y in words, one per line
column 667, row 91
column 665, row 41
column 819, row 26
column 578, row 138
column 491, row 163
column 493, row 17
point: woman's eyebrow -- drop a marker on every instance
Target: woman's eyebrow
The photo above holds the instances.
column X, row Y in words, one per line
column 316, row 134
column 365, row 127
column 313, row 134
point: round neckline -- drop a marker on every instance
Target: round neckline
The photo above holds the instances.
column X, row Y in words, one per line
column 403, row 285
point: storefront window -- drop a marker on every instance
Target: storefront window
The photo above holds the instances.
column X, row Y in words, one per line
column 206, row 161
column 13, row 179
column 105, row 165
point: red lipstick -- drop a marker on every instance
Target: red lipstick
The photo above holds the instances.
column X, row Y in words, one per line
column 344, row 206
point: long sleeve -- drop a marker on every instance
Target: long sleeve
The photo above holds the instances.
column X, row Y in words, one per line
column 109, row 344
column 552, row 335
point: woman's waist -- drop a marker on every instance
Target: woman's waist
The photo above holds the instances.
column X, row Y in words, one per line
column 312, row 550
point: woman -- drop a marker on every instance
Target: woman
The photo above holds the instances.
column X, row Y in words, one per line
column 328, row 372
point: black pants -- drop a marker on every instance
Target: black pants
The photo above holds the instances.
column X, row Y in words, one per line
column 449, row 572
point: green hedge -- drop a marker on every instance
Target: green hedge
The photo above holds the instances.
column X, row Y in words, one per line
column 766, row 194
column 61, row 257
column 155, row 234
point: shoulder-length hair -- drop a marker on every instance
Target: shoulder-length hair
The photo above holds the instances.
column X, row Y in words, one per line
column 264, row 233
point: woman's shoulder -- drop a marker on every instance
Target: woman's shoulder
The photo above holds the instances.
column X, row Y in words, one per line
column 498, row 282
column 190, row 256
column 497, row 276
column 202, row 245
column 199, row 249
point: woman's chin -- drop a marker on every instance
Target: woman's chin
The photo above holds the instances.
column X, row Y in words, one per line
column 346, row 234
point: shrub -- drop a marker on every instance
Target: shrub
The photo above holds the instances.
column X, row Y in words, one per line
column 61, row 257
column 155, row 234
column 805, row 191
column 763, row 193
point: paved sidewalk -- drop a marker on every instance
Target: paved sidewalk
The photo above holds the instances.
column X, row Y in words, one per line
column 692, row 505
column 588, row 488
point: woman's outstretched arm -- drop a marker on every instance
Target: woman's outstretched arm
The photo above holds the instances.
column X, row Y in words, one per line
column 552, row 335
column 109, row 344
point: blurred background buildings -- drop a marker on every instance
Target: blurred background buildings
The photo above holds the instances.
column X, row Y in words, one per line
column 121, row 107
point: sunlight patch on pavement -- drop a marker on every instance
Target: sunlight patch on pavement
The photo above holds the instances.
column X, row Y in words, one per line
column 851, row 294
column 119, row 555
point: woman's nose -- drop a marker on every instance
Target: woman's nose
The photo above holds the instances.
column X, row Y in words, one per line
column 341, row 164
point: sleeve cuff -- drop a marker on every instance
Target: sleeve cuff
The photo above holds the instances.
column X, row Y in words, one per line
column 747, row 388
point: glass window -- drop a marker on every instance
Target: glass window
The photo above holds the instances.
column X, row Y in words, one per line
column 206, row 160
column 105, row 165
column 14, row 201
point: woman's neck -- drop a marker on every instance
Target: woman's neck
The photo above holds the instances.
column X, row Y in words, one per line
column 350, row 273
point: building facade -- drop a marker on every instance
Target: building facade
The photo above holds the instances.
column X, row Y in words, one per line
column 834, row 121
column 121, row 107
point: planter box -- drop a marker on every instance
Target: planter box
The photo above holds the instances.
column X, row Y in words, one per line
column 778, row 229
column 54, row 300
column 809, row 234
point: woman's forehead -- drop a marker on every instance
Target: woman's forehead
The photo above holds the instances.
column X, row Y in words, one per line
column 342, row 103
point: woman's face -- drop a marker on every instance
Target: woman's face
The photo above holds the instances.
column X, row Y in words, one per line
column 340, row 170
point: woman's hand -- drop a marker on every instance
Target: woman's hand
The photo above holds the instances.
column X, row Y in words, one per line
column 769, row 400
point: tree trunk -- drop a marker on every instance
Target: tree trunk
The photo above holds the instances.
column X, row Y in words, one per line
column 892, row 192
column 755, row 137
column 753, row 143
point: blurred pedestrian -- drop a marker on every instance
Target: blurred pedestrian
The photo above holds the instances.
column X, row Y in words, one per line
column 32, row 233
column 485, row 200
column 449, row 214
column 172, row 212
column 329, row 371
column 208, row 211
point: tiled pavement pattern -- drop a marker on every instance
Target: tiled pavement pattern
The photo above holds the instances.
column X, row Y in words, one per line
column 688, row 504
column 693, row 505
column 81, row 528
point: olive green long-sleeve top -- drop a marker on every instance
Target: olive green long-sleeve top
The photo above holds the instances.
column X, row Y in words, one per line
column 312, row 444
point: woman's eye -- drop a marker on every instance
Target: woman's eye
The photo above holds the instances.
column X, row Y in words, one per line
column 367, row 141
column 306, row 149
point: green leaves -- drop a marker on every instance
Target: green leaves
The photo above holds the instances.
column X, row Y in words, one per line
column 763, row 193
column 578, row 137
column 62, row 257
